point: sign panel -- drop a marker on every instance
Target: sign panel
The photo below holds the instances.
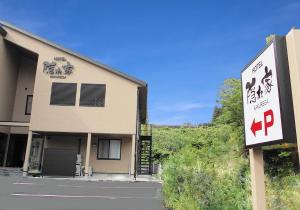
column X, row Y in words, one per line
column 261, row 86
column 261, row 99
column 59, row 68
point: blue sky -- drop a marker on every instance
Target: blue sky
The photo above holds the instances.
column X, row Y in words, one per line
column 183, row 49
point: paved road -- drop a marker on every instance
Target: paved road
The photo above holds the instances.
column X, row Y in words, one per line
column 48, row 194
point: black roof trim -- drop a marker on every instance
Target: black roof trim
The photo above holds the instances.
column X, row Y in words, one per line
column 2, row 31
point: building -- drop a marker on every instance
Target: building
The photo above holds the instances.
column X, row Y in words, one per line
column 56, row 104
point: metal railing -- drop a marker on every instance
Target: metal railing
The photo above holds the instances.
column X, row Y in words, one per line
column 146, row 130
column 145, row 150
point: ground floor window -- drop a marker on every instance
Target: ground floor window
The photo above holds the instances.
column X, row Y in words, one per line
column 109, row 149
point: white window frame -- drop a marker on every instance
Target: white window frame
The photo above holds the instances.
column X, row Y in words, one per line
column 109, row 158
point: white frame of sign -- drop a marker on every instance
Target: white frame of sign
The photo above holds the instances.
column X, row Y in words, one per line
column 284, row 94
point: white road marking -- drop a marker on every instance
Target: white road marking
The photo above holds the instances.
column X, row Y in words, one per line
column 76, row 196
column 63, row 185
column 60, row 196
column 82, row 196
column 78, row 186
column 24, row 183
column 128, row 187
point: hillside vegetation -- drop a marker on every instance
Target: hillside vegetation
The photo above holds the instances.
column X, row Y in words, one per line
column 207, row 167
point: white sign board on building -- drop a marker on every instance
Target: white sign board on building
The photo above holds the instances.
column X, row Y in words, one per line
column 261, row 99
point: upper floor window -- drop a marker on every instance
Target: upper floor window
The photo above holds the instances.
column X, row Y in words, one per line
column 63, row 94
column 92, row 95
column 28, row 105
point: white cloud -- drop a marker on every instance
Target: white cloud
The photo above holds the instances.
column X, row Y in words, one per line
column 176, row 113
column 182, row 107
column 176, row 119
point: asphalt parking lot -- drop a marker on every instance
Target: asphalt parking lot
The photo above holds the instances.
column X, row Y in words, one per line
column 49, row 194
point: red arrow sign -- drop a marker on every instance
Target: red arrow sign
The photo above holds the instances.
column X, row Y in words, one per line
column 256, row 126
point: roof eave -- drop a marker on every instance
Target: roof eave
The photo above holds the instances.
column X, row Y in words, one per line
column 2, row 31
column 112, row 70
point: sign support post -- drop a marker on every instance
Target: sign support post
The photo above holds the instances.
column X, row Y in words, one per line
column 257, row 179
column 268, row 110
column 295, row 80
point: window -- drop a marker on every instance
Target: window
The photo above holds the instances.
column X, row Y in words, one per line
column 28, row 105
column 109, row 149
column 92, row 95
column 63, row 94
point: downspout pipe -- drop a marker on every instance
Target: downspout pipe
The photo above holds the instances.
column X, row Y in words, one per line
column 136, row 134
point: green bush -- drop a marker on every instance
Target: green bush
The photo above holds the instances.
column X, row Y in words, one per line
column 283, row 192
column 207, row 168
column 205, row 174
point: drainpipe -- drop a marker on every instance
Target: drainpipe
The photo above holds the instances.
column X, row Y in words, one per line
column 136, row 135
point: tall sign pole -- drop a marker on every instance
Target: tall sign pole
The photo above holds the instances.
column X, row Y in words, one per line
column 268, row 110
column 257, row 179
column 292, row 40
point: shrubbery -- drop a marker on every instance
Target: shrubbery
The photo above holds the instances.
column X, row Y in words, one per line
column 208, row 168
column 205, row 174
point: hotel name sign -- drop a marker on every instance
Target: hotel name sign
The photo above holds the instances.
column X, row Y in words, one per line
column 267, row 97
column 59, row 68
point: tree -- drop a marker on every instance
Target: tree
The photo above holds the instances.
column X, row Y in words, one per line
column 216, row 113
column 230, row 99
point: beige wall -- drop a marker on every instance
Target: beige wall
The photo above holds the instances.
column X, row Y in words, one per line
column 9, row 63
column 109, row 166
column 118, row 116
column 293, row 48
column 25, row 84
column 98, row 166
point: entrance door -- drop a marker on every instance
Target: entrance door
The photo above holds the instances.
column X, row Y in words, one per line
column 16, row 150
column 36, row 154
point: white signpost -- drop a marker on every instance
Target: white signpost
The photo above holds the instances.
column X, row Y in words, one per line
column 261, row 100
column 268, row 110
column 267, row 98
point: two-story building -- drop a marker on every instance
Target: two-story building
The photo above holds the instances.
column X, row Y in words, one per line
column 59, row 109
